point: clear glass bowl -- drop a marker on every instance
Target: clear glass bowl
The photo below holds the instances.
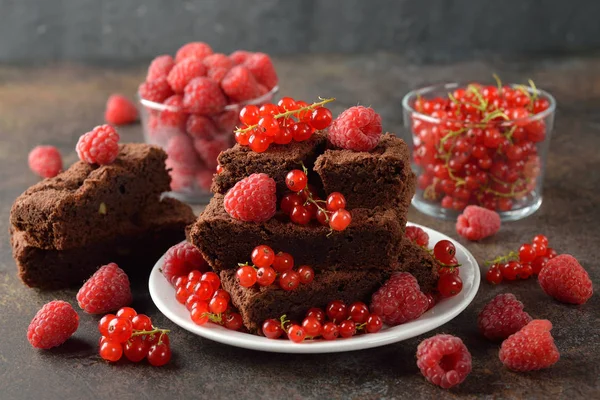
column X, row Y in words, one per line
column 456, row 165
column 192, row 149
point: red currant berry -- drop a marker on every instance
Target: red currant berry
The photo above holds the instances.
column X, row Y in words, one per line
column 526, row 253
column 191, row 301
column 431, row 301
column 538, row 264
column 374, row 323
column 320, row 118
column 212, row 278
column 103, row 324
column 126, row 312
column 289, row 280
column 316, row 313
column 246, row 276
column 262, row 256
column 358, row 312
column 242, row 138
column 300, row 215
column 217, row 305
column 283, row 262
column 204, row 290
column 526, row 271
column 494, row 274
column 449, row 285
column 443, row 270
column 265, row 276
column 307, row 274
column 289, row 201
column 120, row 329
column 551, row 253
column 111, row 350
column 180, row 281
column 249, row 115
column 540, row 249
column 284, row 136
column 444, row 251
column 287, row 104
column 194, row 276
column 335, row 201
column 135, row 349
column 223, row 294
column 312, row 326
column 181, row 294
column 268, row 109
column 336, row 311
column 296, row 333
column 330, row 331
column 296, row 180
column 323, row 216
column 302, row 131
column 347, row 328
column 511, row 270
column 200, row 313
column 159, row 354
column 541, row 239
column 271, row 328
column 141, row 322
column 233, row 321
column 258, row 143
column 340, row 220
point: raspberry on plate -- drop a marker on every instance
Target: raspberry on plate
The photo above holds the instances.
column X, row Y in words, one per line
column 566, row 280
column 399, row 300
column 239, row 84
column 476, row 223
column 193, row 49
column 502, row 317
column 253, row 199
column 107, row 290
column 444, row 360
column 203, row 96
column 120, row 110
column 45, row 161
column 182, row 259
column 531, row 348
column 183, row 72
column 157, row 90
column 261, row 66
column 52, row 325
column 100, row 146
column 417, row 235
column 160, row 67
column 357, row 128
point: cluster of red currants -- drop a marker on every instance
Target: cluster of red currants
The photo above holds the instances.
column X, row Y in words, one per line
column 528, row 261
column 131, row 334
column 281, row 123
column 449, row 283
column 302, row 205
column 203, row 298
column 337, row 320
column 482, row 148
column 266, row 266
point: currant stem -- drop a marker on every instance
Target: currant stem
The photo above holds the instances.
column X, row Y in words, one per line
column 513, row 255
column 283, row 321
column 498, row 81
column 152, row 332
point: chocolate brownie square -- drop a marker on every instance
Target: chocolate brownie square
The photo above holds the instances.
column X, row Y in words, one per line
column 161, row 225
column 381, row 177
column 373, row 239
column 239, row 162
column 88, row 203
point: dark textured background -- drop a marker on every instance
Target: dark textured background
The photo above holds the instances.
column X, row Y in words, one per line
column 122, row 31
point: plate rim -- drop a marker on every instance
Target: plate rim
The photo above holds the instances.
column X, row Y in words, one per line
column 254, row 342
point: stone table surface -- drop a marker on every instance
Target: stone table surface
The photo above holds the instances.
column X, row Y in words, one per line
column 56, row 104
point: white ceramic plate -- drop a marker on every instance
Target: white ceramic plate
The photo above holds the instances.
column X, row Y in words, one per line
column 163, row 295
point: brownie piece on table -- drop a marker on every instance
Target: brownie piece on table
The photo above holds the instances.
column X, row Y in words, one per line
column 161, row 225
column 372, row 240
column 381, row 177
column 88, row 203
column 239, row 162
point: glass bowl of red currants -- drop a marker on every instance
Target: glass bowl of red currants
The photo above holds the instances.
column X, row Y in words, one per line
column 479, row 144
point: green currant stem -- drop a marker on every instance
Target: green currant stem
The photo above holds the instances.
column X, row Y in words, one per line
column 482, row 102
column 152, row 332
column 453, row 99
column 513, row 255
column 494, row 114
column 498, row 81
column 449, row 135
column 419, row 98
column 283, row 321
column 291, row 113
column 361, row 326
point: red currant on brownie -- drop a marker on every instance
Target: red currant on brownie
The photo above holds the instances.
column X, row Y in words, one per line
column 52, row 325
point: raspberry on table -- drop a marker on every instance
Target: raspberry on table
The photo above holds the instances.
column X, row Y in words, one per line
column 399, row 300
column 239, row 56
column 261, row 66
column 183, row 72
column 107, row 290
column 502, row 317
column 209, row 150
column 100, row 146
column 120, row 110
column 531, row 348
column 239, row 84
column 182, row 259
column 476, row 223
column 193, row 49
column 180, row 150
column 203, row 96
column 160, row 67
column 357, row 128
column 417, row 235
column 45, row 161
column 52, row 325
column 201, row 127
column 566, row 280
column 444, row 360
column 173, row 116
column 157, row 90
column 252, row 199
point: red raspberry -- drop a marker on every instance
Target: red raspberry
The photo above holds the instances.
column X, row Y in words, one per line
column 182, row 259
column 45, row 161
column 107, row 290
column 120, row 110
column 180, row 150
column 226, row 121
column 52, row 325
column 261, row 66
column 218, row 60
column 183, row 72
column 565, row 279
column 239, row 84
column 204, row 96
column 157, row 90
column 252, row 199
column 417, row 235
column 160, row 67
column 204, row 179
column 174, row 116
column 194, row 49
column 209, row 150
column 201, row 127
column 358, row 128
column 100, row 146
column 157, row 133
column 476, row 223
column 502, row 317
column 262, row 90
column 531, row 348
column 444, row 360
column 217, row 74
column 239, row 56
column 399, row 300
column 182, row 179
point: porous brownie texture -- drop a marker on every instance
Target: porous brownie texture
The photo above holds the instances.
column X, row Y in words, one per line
column 239, row 162
column 381, row 177
column 372, row 240
column 419, row 263
column 88, row 203
column 160, row 226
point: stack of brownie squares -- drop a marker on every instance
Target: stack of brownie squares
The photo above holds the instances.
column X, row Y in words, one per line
column 66, row 227
column 349, row 265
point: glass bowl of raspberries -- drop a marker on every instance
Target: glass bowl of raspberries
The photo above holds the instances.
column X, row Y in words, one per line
column 190, row 106
column 479, row 144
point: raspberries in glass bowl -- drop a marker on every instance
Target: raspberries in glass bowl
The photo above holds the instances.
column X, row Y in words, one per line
column 191, row 104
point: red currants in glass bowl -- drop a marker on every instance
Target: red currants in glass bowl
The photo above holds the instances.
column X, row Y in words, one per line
column 481, row 144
